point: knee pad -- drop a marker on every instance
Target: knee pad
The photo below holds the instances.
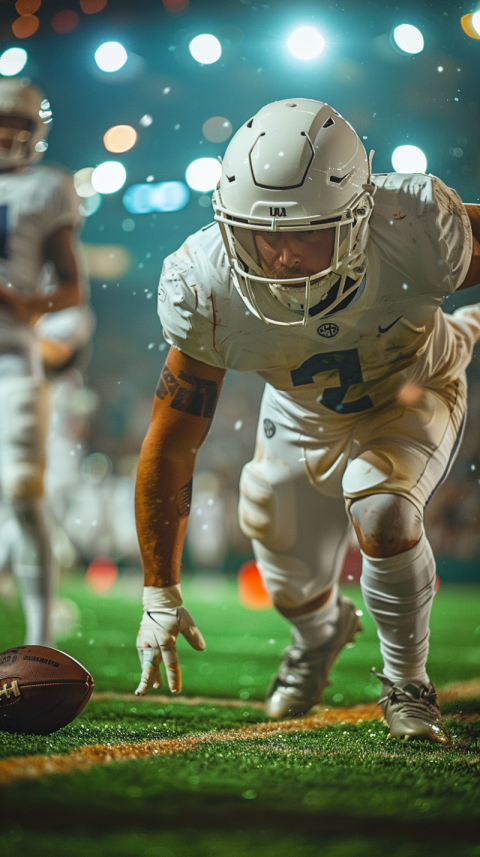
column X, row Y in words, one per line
column 267, row 511
column 24, row 404
column 387, row 521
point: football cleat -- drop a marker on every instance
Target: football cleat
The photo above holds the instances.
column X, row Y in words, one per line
column 304, row 673
column 411, row 710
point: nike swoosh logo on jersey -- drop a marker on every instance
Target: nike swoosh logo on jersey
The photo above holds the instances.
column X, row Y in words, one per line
column 384, row 329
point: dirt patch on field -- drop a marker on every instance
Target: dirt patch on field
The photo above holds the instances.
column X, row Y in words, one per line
column 30, row 767
column 450, row 693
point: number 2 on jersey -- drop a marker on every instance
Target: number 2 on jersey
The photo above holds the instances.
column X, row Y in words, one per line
column 347, row 363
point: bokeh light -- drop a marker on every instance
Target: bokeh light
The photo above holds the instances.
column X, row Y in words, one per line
column 95, row 467
column 91, row 7
column 205, row 49
column 25, row 26
column 217, row 129
column 12, row 61
column 175, row 6
column 476, row 22
column 109, row 177
column 120, row 138
column 82, row 182
column 27, row 7
column 203, row 174
column 306, row 43
column 468, row 26
column 45, row 112
column 163, row 196
column 409, row 159
column 90, row 204
column 106, row 262
column 65, row 21
column 408, row 38
column 101, row 574
column 111, row 56
column 251, row 588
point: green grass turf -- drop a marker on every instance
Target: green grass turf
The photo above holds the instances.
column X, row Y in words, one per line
column 243, row 646
column 341, row 781
column 343, row 791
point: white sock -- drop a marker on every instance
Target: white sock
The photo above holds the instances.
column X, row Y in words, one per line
column 314, row 629
column 33, row 570
column 37, row 620
column 398, row 593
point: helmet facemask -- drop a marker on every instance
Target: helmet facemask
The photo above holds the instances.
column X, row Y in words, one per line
column 309, row 297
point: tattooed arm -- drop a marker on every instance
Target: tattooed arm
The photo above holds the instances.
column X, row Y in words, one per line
column 183, row 409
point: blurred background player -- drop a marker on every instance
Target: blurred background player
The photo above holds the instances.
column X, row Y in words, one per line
column 39, row 274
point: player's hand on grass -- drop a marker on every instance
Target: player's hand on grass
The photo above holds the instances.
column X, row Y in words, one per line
column 157, row 637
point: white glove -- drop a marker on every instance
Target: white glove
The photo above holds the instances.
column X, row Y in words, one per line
column 163, row 620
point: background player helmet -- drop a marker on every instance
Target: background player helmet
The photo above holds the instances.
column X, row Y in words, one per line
column 20, row 98
column 297, row 165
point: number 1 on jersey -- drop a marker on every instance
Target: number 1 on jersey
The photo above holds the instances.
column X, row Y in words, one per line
column 347, row 363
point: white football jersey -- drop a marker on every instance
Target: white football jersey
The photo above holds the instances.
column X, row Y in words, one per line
column 34, row 203
column 393, row 331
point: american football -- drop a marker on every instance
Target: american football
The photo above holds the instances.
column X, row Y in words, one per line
column 41, row 689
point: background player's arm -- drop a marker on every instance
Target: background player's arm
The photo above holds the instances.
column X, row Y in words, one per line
column 59, row 249
column 183, row 409
column 473, row 274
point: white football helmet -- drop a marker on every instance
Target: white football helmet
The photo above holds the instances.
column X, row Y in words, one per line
column 296, row 166
column 20, row 98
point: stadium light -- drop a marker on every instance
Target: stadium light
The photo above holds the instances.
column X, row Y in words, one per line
column 409, row 159
column 476, row 22
column 205, row 49
column 203, row 174
column 163, row 196
column 12, row 61
column 111, row 56
column 408, row 38
column 306, row 43
column 108, row 177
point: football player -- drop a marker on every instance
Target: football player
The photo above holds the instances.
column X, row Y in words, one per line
column 327, row 281
column 38, row 220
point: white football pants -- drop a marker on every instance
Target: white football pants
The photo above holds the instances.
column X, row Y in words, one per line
column 23, row 427
column 292, row 507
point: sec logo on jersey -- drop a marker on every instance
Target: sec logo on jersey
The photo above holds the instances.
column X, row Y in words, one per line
column 328, row 329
